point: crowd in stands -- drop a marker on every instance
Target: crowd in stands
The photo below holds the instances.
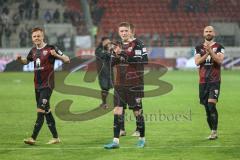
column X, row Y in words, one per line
column 31, row 10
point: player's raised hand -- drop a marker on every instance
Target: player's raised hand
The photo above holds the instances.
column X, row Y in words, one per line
column 117, row 50
column 21, row 60
column 18, row 58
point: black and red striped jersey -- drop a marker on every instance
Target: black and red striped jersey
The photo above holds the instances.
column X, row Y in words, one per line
column 43, row 65
column 130, row 71
column 209, row 70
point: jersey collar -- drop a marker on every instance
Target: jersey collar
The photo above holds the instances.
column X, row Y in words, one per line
column 42, row 46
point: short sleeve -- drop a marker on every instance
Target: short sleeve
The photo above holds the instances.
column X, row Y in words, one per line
column 197, row 50
column 221, row 49
column 30, row 56
column 58, row 51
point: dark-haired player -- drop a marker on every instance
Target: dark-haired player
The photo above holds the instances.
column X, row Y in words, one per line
column 104, row 70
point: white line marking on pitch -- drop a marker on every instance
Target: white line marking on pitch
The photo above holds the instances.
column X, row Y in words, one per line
column 151, row 148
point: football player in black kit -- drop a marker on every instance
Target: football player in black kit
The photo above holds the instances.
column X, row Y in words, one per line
column 209, row 57
column 104, row 69
column 43, row 55
column 128, row 63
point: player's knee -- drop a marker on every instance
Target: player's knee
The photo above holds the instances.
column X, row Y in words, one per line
column 105, row 91
column 118, row 110
column 137, row 112
column 39, row 110
column 212, row 101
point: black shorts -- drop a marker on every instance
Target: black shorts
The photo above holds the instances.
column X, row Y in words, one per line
column 125, row 95
column 43, row 97
column 208, row 91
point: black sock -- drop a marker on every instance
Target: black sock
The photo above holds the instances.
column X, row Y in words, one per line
column 104, row 94
column 38, row 125
column 213, row 115
column 51, row 124
column 208, row 117
column 137, row 129
column 116, row 127
column 141, row 125
column 122, row 122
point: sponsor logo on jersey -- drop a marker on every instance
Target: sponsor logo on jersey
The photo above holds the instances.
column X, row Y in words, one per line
column 138, row 52
column 214, row 49
column 45, row 52
column 130, row 49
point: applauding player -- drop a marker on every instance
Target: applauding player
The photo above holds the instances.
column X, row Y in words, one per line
column 209, row 56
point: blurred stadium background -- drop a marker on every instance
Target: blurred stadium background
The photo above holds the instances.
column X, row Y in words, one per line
column 169, row 28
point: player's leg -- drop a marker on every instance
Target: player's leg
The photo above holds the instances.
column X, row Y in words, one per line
column 141, row 126
column 104, row 84
column 208, row 115
column 212, row 101
column 138, row 112
column 116, row 128
column 52, row 127
column 46, row 95
column 122, row 123
column 136, row 133
column 39, row 121
column 104, row 94
column 134, row 97
column 203, row 96
column 117, row 112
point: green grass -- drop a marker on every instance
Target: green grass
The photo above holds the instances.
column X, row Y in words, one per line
column 172, row 139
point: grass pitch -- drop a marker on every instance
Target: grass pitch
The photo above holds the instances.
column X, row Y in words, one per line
column 176, row 126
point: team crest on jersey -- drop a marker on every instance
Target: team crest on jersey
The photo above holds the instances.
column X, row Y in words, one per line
column 45, row 52
column 130, row 49
column 214, row 49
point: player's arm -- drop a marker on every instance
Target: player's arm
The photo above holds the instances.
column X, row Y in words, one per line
column 219, row 57
column 99, row 53
column 59, row 55
column 22, row 60
column 144, row 55
column 116, row 56
column 25, row 60
column 140, row 53
column 200, row 59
